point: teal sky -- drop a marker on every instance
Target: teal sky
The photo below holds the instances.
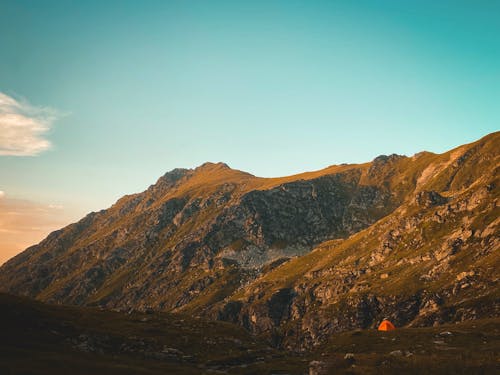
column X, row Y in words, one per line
column 269, row 87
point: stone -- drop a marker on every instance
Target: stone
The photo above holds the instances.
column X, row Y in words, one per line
column 428, row 199
column 349, row 358
column 317, row 368
column 445, row 333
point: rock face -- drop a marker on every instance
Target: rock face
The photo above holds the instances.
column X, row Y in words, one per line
column 146, row 249
column 428, row 199
column 295, row 258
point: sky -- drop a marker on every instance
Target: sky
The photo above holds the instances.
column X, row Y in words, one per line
column 99, row 99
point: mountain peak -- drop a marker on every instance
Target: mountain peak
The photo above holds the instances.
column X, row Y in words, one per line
column 211, row 166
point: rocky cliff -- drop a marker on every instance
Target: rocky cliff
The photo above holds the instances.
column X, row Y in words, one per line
column 294, row 258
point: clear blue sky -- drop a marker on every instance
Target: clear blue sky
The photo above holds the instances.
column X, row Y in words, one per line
column 270, row 87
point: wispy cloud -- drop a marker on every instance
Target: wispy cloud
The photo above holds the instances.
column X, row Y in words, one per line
column 24, row 127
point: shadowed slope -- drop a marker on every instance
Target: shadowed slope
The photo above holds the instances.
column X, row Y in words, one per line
column 91, row 341
column 86, row 340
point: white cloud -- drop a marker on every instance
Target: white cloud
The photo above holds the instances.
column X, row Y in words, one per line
column 23, row 127
column 56, row 206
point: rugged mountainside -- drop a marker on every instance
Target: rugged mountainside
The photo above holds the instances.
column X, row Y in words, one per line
column 296, row 258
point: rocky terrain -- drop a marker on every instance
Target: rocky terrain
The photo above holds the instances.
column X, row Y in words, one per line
column 293, row 259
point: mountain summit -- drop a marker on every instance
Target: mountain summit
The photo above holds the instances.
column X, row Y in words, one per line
column 414, row 239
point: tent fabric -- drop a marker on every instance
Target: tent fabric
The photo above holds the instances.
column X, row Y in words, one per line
column 386, row 326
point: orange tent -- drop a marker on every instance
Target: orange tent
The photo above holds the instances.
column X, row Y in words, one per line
column 386, row 326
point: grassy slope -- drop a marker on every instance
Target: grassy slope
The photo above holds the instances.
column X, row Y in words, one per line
column 39, row 339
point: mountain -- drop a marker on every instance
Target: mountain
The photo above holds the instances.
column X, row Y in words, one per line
column 295, row 259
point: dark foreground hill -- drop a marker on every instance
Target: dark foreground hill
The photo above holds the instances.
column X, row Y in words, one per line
column 295, row 259
column 43, row 339
column 40, row 339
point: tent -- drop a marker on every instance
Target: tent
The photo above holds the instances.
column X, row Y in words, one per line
column 386, row 326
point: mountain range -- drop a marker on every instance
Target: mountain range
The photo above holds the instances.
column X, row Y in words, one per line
column 292, row 259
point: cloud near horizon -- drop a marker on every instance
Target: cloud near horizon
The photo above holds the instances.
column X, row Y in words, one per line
column 23, row 127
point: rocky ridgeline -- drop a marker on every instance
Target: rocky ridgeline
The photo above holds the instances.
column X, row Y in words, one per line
column 156, row 238
column 434, row 260
column 413, row 239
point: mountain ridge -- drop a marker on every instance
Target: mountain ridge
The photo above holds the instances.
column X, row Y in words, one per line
column 219, row 242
